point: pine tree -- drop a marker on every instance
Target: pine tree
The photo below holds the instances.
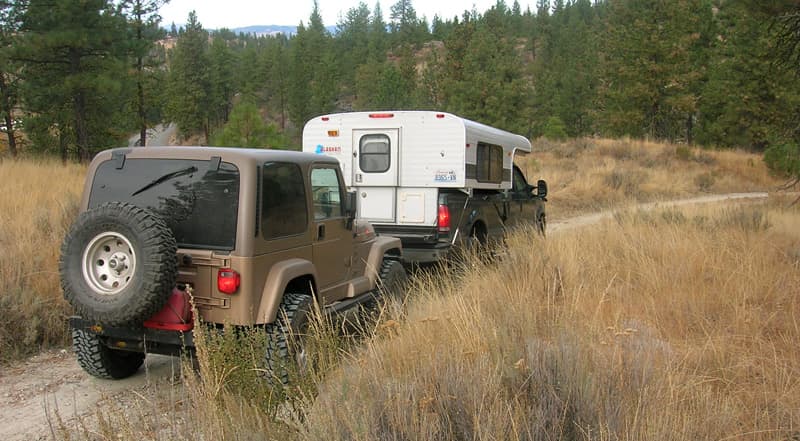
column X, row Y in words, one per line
column 73, row 64
column 565, row 71
column 648, row 80
column 9, row 78
column 143, row 22
column 406, row 27
column 314, row 85
column 246, row 128
column 352, row 38
column 222, row 75
column 189, row 83
column 749, row 101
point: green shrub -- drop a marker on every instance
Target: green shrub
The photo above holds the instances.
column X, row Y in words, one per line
column 783, row 159
column 555, row 129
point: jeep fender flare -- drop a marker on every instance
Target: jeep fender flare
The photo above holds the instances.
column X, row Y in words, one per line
column 383, row 245
column 278, row 279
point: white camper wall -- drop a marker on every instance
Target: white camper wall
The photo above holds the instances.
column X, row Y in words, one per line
column 432, row 150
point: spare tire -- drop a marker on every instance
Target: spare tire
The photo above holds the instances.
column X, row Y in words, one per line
column 118, row 264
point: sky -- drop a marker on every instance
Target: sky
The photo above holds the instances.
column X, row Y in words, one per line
column 215, row 14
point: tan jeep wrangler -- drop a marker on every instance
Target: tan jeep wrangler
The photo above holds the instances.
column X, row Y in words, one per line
column 251, row 237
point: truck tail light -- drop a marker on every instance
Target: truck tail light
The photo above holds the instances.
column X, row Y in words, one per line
column 228, row 281
column 443, row 220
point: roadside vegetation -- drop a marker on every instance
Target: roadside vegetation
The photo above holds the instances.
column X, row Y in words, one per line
column 585, row 175
column 588, row 174
column 667, row 324
column 678, row 324
column 40, row 200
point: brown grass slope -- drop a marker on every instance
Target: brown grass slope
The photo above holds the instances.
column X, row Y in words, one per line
column 666, row 325
column 37, row 205
column 595, row 174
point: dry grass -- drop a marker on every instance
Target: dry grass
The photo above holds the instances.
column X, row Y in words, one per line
column 40, row 200
column 677, row 324
column 671, row 325
column 594, row 174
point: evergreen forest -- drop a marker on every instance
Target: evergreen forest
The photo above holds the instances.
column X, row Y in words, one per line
column 77, row 77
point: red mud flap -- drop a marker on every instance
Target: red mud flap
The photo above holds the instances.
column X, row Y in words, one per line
column 176, row 315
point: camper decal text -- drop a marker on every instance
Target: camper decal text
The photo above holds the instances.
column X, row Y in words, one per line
column 445, row 176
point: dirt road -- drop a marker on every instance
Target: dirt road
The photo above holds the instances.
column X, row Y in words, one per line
column 33, row 392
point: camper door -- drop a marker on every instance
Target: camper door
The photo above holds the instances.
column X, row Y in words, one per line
column 375, row 172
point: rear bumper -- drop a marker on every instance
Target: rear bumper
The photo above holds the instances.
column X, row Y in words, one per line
column 420, row 244
column 138, row 338
column 432, row 254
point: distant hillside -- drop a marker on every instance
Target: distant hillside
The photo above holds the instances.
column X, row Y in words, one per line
column 262, row 30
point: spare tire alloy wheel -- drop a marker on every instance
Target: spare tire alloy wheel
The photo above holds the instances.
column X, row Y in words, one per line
column 118, row 264
column 108, row 263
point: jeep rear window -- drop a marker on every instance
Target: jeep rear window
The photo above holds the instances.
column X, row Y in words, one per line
column 199, row 204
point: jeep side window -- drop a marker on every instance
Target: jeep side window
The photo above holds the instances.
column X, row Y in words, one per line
column 283, row 200
column 327, row 193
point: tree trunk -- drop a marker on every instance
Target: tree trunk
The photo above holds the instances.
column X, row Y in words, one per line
column 81, row 132
column 11, row 133
column 141, row 110
column 62, row 146
column 140, row 79
column 7, row 105
column 689, row 127
column 79, row 111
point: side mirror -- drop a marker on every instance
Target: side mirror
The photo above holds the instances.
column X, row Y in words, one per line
column 541, row 189
column 350, row 206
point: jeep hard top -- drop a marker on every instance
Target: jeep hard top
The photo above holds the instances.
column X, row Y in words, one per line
column 248, row 237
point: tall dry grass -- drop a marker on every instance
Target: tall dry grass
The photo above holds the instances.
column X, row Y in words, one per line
column 665, row 325
column 595, row 174
column 679, row 324
column 38, row 203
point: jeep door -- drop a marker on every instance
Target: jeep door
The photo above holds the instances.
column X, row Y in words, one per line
column 333, row 240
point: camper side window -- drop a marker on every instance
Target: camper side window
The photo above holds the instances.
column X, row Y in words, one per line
column 490, row 163
column 374, row 154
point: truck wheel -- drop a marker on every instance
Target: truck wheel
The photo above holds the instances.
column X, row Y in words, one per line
column 118, row 264
column 392, row 280
column 285, row 337
column 101, row 361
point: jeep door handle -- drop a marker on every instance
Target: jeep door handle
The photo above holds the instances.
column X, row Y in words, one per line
column 321, row 232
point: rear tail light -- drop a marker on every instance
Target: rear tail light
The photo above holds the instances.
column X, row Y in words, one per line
column 228, row 281
column 381, row 115
column 443, row 220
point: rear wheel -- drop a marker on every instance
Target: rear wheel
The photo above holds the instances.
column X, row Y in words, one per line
column 286, row 349
column 100, row 361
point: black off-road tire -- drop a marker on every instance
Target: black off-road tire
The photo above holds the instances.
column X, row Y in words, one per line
column 101, row 361
column 392, row 280
column 286, row 337
column 541, row 224
column 108, row 235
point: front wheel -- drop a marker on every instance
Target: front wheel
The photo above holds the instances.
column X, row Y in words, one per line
column 541, row 224
column 100, row 361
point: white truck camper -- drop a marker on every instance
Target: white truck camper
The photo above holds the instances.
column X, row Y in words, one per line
column 404, row 164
